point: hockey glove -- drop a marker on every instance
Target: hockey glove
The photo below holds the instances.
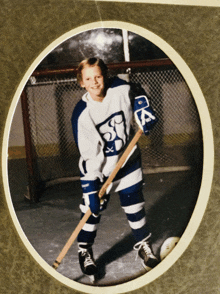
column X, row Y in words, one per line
column 90, row 194
column 104, row 201
column 144, row 114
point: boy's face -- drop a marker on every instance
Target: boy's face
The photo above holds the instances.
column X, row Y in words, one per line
column 93, row 82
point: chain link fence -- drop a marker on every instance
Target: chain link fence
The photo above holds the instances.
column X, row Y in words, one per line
column 175, row 142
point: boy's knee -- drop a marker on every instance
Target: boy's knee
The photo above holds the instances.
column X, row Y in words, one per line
column 131, row 198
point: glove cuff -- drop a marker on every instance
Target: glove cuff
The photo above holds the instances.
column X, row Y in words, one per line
column 141, row 102
column 90, row 186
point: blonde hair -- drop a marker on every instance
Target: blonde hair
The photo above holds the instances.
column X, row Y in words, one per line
column 91, row 62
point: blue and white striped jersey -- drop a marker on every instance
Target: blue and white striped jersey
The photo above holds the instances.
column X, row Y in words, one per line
column 102, row 130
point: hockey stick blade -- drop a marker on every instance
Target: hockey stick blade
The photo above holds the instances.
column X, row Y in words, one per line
column 101, row 194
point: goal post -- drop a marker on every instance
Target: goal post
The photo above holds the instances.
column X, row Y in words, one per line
column 50, row 96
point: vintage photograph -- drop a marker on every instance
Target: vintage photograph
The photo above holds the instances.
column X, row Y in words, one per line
column 102, row 96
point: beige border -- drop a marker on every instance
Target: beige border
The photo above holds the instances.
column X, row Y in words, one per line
column 206, row 179
column 210, row 3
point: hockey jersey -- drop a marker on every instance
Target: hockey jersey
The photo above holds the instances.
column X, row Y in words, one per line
column 102, row 130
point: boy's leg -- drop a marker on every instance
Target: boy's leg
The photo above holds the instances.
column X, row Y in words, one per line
column 132, row 201
column 86, row 239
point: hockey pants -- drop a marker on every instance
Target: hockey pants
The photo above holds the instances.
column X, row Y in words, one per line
column 132, row 202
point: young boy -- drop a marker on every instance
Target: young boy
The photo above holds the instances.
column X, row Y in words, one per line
column 102, row 129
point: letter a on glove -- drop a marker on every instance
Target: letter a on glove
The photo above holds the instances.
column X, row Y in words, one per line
column 144, row 114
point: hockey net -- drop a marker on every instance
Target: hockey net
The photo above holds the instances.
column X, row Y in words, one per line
column 50, row 97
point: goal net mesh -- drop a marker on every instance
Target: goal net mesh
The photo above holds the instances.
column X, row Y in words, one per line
column 176, row 140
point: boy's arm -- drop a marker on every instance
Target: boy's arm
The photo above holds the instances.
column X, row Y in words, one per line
column 89, row 144
column 144, row 115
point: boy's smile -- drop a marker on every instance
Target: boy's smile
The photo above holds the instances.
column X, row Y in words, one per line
column 93, row 82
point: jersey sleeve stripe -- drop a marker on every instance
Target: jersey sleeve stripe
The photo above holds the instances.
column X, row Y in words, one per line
column 75, row 117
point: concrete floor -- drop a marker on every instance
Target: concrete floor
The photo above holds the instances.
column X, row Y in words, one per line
column 170, row 200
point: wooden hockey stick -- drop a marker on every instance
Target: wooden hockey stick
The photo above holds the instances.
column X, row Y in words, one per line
column 101, row 194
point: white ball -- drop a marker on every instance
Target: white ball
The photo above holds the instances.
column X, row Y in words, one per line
column 168, row 246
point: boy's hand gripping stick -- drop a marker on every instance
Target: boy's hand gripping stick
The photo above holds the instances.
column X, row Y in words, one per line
column 101, row 194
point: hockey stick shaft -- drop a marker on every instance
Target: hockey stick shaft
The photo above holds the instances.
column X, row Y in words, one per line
column 101, row 193
column 120, row 162
column 72, row 239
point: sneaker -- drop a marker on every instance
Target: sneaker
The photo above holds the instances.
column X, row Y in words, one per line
column 86, row 261
column 143, row 247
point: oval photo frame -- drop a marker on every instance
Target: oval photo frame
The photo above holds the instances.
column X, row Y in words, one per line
column 208, row 161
